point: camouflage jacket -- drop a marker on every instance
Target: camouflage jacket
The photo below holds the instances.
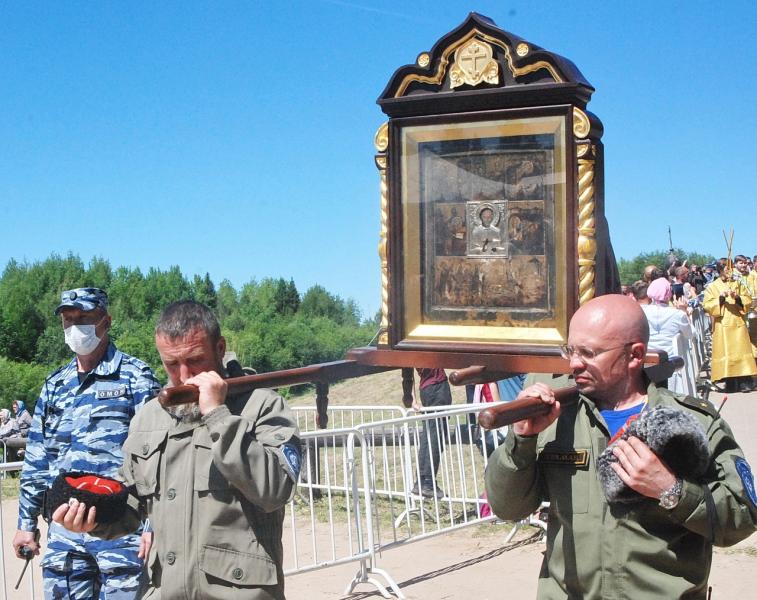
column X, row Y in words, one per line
column 81, row 426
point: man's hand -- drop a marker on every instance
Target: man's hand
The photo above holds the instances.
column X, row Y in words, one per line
column 75, row 517
column 25, row 538
column 212, row 390
column 538, row 423
column 145, row 543
column 641, row 469
column 416, row 405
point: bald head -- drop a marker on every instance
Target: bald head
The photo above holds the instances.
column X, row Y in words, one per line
column 609, row 335
column 613, row 318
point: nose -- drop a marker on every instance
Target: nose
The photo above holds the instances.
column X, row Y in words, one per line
column 576, row 363
column 184, row 372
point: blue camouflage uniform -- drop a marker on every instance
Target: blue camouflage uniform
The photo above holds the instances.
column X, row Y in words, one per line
column 81, row 426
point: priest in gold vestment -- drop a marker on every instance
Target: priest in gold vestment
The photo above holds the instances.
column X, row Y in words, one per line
column 728, row 301
column 751, row 281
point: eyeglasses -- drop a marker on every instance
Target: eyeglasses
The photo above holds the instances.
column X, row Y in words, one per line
column 586, row 354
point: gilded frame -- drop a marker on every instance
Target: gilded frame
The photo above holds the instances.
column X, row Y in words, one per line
column 479, row 316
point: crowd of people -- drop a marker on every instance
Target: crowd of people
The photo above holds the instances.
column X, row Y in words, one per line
column 727, row 291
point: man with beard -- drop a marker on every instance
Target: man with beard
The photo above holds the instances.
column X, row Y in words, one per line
column 659, row 546
column 213, row 477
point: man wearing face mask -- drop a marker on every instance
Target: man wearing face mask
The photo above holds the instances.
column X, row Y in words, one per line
column 80, row 423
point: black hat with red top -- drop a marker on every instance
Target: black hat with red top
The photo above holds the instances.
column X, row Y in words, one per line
column 108, row 496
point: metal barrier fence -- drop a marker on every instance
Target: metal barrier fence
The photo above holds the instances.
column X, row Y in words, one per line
column 372, row 487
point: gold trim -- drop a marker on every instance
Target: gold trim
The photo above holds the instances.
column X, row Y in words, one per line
column 437, row 77
column 587, row 241
column 486, row 334
column 381, row 141
column 423, row 59
column 581, row 123
column 522, row 49
column 502, row 329
column 582, row 148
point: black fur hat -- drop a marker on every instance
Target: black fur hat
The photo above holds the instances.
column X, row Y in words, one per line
column 673, row 435
column 108, row 496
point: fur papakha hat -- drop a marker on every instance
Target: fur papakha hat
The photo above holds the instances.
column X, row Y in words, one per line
column 673, row 435
column 108, row 496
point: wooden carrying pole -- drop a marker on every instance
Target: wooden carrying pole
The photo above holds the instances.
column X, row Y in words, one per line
column 320, row 373
column 525, row 408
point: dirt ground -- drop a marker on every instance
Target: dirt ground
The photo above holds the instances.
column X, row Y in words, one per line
column 473, row 562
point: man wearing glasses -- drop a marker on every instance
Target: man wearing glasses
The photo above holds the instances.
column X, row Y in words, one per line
column 659, row 546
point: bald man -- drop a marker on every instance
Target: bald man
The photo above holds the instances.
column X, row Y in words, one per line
column 660, row 545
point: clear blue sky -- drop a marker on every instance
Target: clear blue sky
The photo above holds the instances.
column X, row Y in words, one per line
column 237, row 137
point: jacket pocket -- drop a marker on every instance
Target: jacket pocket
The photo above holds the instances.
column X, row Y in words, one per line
column 207, row 476
column 239, row 568
column 142, row 458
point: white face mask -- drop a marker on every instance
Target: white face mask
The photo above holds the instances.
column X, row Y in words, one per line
column 82, row 339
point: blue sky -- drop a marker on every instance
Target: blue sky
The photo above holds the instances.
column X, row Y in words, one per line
column 237, row 137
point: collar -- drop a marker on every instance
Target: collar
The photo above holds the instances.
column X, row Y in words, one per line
column 109, row 364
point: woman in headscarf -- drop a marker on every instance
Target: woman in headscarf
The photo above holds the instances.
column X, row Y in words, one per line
column 665, row 325
column 23, row 418
column 7, row 425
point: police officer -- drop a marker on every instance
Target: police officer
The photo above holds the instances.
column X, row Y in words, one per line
column 213, row 476
column 658, row 547
column 80, row 423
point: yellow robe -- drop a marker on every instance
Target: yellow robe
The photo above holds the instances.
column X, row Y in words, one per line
column 731, row 349
column 751, row 281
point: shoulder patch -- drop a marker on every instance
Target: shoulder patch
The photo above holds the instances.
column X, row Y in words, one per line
column 292, row 456
column 703, row 406
column 747, row 480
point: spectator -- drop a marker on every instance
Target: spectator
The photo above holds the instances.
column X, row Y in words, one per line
column 434, row 391
column 665, row 324
column 7, row 425
column 696, row 279
column 23, row 418
column 652, row 272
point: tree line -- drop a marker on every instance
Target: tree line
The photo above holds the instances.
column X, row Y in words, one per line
column 268, row 323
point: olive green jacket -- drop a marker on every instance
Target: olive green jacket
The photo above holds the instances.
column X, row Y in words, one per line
column 634, row 552
column 215, row 492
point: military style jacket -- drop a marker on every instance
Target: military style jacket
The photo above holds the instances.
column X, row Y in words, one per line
column 81, row 426
column 215, row 492
column 635, row 552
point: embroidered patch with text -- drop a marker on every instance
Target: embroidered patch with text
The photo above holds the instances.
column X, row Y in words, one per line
column 292, row 456
column 574, row 458
column 111, row 393
column 745, row 473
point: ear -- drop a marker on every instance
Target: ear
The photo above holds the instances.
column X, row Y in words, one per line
column 221, row 346
column 638, row 354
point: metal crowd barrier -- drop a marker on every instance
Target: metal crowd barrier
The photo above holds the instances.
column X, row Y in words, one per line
column 361, row 490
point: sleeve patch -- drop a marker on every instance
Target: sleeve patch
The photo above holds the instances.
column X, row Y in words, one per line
column 292, row 456
column 745, row 473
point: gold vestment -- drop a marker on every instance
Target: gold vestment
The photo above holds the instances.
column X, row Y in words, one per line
column 731, row 348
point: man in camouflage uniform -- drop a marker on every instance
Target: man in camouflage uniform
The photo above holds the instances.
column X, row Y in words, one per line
column 81, row 421
column 657, row 547
column 213, row 476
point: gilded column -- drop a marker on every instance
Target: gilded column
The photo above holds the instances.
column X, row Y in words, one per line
column 381, row 142
column 587, row 233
